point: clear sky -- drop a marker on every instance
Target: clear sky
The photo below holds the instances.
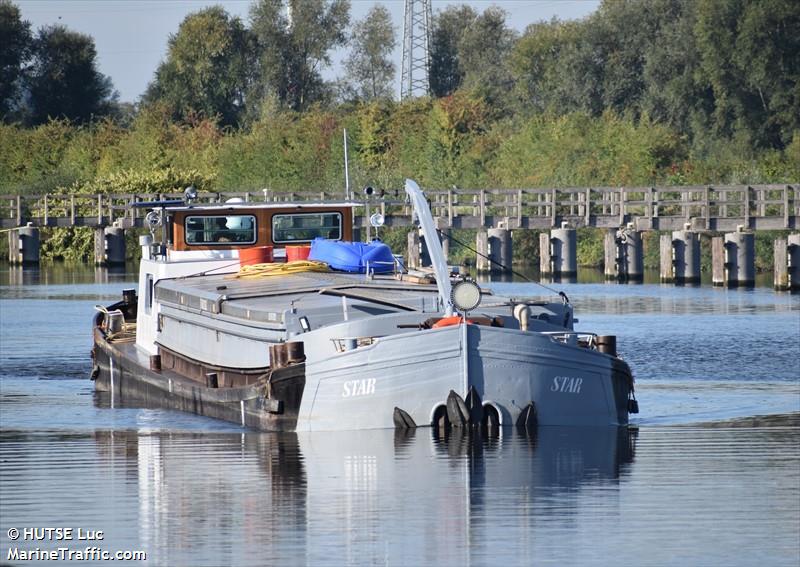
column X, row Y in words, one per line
column 131, row 35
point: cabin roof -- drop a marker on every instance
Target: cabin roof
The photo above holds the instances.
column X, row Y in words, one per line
column 257, row 299
column 262, row 205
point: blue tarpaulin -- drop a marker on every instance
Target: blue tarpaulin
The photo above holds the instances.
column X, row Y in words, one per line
column 353, row 256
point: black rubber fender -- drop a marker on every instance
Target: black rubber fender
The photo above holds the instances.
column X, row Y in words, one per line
column 457, row 410
column 402, row 420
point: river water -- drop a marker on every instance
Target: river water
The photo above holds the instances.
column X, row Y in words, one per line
column 710, row 475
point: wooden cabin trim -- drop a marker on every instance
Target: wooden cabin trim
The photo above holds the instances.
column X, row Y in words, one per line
column 263, row 217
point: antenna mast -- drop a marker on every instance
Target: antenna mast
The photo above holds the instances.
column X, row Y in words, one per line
column 416, row 49
column 346, row 168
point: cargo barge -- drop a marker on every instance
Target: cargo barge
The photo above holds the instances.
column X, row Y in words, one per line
column 224, row 325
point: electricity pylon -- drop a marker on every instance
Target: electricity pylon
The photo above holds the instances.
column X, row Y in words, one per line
column 416, row 49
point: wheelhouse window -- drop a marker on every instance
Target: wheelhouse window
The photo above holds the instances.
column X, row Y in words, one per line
column 305, row 227
column 238, row 229
column 148, row 298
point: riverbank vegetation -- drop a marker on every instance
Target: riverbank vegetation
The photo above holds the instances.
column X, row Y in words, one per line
column 657, row 92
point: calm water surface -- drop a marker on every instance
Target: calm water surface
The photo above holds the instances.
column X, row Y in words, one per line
column 705, row 479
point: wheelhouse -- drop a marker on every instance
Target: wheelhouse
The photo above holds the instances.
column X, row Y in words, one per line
column 232, row 227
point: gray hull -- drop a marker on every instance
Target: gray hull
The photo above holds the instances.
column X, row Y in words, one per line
column 360, row 388
column 508, row 369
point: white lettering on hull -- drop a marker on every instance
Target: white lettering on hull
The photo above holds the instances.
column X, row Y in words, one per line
column 566, row 385
column 352, row 388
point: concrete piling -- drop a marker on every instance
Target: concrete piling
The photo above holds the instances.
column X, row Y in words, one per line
column 633, row 255
column 424, row 256
column 482, row 264
column 666, row 270
column 686, row 257
column 564, row 257
column 115, row 246
column 545, row 259
column 740, row 264
column 99, row 246
column 610, row 255
column 500, row 249
column 23, row 246
column 793, row 262
column 413, row 257
column 109, row 246
column 444, row 238
column 624, row 256
column 718, row 261
column 781, row 257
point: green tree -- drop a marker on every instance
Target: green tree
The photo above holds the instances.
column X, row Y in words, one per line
column 471, row 50
column 673, row 92
column 456, row 122
column 483, row 54
column 750, row 58
column 369, row 66
column 15, row 49
column 208, row 68
column 449, row 27
column 710, row 69
column 621, row 32
column 601, row 63
column 63, row 81
column 558, row 68
column 294, row 45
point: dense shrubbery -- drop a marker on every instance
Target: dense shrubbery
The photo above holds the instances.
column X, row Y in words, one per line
column 442, row 143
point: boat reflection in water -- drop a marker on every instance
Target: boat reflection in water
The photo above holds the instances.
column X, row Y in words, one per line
column 367, row 497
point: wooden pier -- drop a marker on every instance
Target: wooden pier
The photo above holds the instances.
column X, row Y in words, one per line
column 704, row 208
column 623, row 212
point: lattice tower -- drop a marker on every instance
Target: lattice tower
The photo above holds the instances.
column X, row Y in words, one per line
column 416, row 49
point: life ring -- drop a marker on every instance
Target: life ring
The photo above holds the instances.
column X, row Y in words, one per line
column 450, row 321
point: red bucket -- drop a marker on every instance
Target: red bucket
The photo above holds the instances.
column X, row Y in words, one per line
column 298, row 252
column 255, row 255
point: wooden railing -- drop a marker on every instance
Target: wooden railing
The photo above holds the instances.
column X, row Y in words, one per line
column 667, row 208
